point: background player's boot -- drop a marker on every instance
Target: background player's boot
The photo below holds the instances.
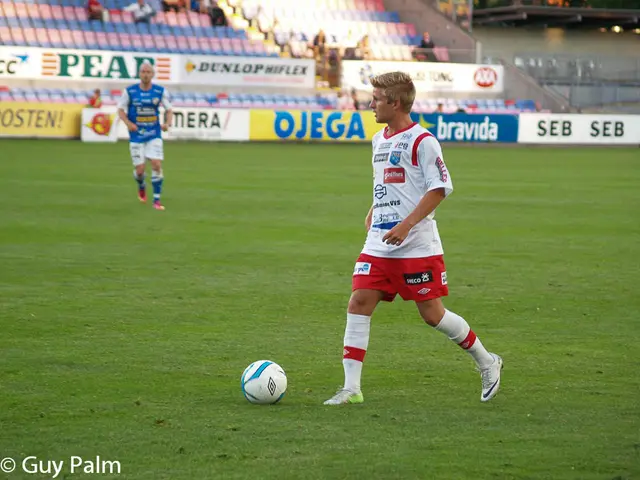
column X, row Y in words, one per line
column 157, row 205
column 491, row 378
column 345, row 396
column 142, row 195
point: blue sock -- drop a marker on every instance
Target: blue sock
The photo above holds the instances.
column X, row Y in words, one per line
column 156, row 182
column 140, row 180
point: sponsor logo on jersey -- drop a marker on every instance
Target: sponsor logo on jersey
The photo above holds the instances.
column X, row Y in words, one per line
column 390, row 203
column 384, row 146
column 379, row 191
column 362, row 268
column 406, row 136
column 394, row 175
column 380, row 157
column 418, row 278
column 442, row 168
column 402, row 145
column 395, row 158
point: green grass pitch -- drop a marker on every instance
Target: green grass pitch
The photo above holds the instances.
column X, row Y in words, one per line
column 124, row 331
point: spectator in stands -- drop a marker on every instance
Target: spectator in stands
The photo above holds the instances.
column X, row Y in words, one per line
column 96, row 11
column 440, row 108
column 345, row 102
column 172, row 5
column 95, row 100
column 424, row 52
column 363, row 51
column 354, row 98
column 142, row 12
column 319, row 44
column 218, row 18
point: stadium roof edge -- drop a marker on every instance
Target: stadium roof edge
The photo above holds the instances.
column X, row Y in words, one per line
column 520, row 15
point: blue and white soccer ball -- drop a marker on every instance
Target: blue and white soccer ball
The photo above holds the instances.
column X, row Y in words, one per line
column 263, row 382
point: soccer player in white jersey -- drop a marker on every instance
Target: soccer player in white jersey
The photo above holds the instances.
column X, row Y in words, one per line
column 139, row 109
column 403, row 252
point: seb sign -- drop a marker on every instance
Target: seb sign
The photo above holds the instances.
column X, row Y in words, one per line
column 579, row 129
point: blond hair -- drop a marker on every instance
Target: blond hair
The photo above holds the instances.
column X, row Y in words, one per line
column 396, row 86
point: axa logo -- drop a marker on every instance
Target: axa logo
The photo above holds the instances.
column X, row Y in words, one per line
column 485, row 77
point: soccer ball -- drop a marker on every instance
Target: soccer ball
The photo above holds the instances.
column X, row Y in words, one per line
column 263, row 382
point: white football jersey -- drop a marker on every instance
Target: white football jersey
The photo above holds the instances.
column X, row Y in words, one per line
column 406, row 166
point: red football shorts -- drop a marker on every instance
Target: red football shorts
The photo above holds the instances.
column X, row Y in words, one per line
column 416, row 279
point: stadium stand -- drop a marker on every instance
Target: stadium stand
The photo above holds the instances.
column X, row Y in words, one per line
column 66, row 24
column 323, row 101
column 256, row 28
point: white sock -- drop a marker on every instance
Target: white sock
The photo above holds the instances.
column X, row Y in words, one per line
column 458, row 330
column 356, row 341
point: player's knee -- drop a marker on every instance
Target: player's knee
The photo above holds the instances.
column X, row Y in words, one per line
column 361, row 304
column 431, row 312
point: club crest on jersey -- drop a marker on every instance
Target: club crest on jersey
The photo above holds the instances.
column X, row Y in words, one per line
column 394, row 158
column 362, row 268
column 394, row 175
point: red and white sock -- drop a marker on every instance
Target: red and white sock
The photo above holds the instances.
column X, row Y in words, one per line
column 356, row 341
column 458, row 330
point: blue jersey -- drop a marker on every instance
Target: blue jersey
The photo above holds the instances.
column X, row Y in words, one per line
column 143, row 108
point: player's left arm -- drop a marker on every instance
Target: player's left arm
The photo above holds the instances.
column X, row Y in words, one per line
column 438, row 183
column 168, row 111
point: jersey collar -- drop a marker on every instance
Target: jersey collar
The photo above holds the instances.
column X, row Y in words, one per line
column 387, row 137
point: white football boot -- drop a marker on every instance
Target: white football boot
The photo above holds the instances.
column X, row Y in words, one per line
column 491, row 378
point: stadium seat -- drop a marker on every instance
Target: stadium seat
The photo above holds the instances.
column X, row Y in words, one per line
column 234, row 100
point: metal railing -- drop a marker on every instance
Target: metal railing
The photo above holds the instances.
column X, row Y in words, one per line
column 518, row 84
column 579, row 68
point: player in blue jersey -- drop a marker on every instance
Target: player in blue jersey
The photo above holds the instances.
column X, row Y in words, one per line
column 139, row 109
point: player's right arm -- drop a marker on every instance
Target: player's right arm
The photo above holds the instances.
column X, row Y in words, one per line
column 367, row 221
column 123, row 106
